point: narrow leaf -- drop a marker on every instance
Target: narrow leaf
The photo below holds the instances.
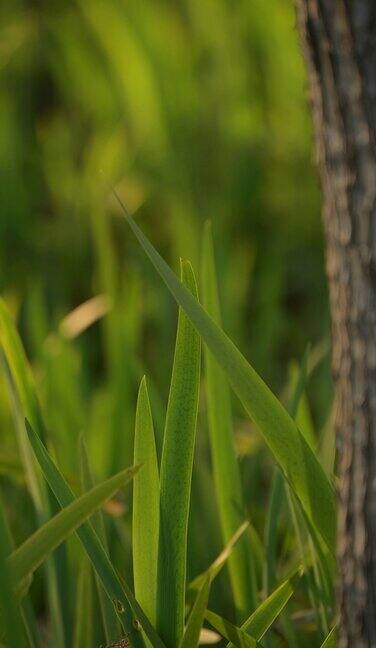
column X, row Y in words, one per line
column 145, row 526
column 227, row 480
column 331, row 639
column 129, row 611
column 196, row 617
column 26, row 558
column 176, row 474
column 109, row 616
column 229, row 631
column 295, row 457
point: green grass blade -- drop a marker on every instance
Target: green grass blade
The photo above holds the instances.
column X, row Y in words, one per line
column 83, row 632
column 109, row 616
column 10, row 618
column 196, row 617
column 227, row 480
column 25, row 403
column 331, row 639
column 230, row 632
column 278, row 487
column 145, row 528
column 213, row 570
column 261, row 620
column 293, row 454
column 176, row 474
column 32, row 553
column 129, row 611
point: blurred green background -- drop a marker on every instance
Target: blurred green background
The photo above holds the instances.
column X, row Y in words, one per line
column 194, row 110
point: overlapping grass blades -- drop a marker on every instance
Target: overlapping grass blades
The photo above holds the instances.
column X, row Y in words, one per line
column 109, row 616
column 130, row 613
column 32, row 553
column 25, row 403
column 145, row 527
column 226, row 472
column 176, row 474
column 296, row 459
column 196, row 617
column 260, row 620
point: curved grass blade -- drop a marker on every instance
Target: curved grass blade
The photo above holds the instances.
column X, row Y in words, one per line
column 299, row 464
column 32, row 553
column 196, row 617
column 261, row 620
column 176, row 474
column 230, row 632
column 83, row 634
column 25, row 403
column 278, row 487
column 226, row 472
column 10, row 618
column 130, row 613
column 220, row 561
column 331, row 639
column 145, row 528
column 109, row 616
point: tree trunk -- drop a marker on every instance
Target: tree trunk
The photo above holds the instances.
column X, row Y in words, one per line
column 339, row 42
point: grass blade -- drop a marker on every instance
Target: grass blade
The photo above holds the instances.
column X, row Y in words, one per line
column 230, row 632
column 130, row 612
column 331, row 639
column 83, row 634
column 10, row 618
column 296, row 459
column 261, row 620
column 109, row 616
column 25, row 403
column 196, row 617
column 220, row 561
column 26, row 558
column 145, row 526
column 225, row 466
column 176, row 474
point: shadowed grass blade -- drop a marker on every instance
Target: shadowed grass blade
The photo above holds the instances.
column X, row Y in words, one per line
column 130, row 613
column 295, row 457
column 227, row 481
column 176, row 474
column 32, row 553
column 109, row 616
column 145, row 526
column 83, row 634
column 331, row 639
column 25, row 403
column 196, row 617
column 10, row 618
column 229, row 631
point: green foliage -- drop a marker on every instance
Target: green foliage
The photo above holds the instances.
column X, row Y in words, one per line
column 188, row 110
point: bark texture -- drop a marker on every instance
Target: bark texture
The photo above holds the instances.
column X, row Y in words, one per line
column 339, row 43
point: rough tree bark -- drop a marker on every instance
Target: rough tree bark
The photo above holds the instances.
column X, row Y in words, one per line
column 339, row 43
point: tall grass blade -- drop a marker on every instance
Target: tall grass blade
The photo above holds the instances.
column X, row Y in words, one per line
column 130, row 613
column 227, row 480
column 145, row 526
column 83, row 634
column 295, row 457
column 176, row 474
column 196, row 617
column 25, row 403
column 32, row 553
column 331, row 639
column 229, row 631
column 10, row 618
column 220, row 561
column 109, row 616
